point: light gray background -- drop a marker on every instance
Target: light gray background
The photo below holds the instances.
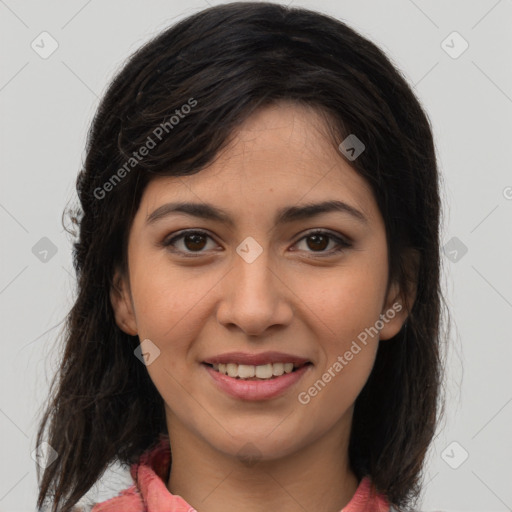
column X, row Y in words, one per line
column 47, row 105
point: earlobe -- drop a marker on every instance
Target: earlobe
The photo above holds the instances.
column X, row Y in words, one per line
column 399, row 302
column 393, row 317
column 120, row 298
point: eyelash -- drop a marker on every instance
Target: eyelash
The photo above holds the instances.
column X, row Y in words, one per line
column 342, row 244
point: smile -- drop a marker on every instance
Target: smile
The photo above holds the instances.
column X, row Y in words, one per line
column 256, row 372
column 256, row 388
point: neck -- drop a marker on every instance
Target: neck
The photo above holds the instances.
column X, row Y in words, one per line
column 317, row 476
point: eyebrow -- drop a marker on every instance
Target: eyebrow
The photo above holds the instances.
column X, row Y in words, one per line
column 284, row 215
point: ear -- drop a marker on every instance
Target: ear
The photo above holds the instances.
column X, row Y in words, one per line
column 121, row 300
column 398, row 302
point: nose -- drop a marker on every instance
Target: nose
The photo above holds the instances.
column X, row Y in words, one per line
column 255, row 297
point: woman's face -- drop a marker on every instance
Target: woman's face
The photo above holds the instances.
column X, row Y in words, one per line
column 257, row 279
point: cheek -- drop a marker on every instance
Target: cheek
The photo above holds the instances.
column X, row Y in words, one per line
column 337, row 386
column 350, row 306
column 169, row 302
column 347, row 303
column 345, row 311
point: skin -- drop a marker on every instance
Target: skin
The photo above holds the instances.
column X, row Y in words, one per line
column 293, row 298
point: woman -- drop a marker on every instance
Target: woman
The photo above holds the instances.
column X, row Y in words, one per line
column 258, row 276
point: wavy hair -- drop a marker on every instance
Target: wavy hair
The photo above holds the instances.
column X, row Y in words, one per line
column 230, row 60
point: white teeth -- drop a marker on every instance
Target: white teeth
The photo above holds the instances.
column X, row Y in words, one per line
column 278, row 369
column 264, row 371
column 232, row 369
column 247, row 371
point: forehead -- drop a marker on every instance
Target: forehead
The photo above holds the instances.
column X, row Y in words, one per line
column 282, row 154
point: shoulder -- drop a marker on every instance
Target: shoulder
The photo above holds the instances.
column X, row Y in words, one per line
column 128, row 500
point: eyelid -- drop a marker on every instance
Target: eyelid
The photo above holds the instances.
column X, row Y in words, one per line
column 324, row 231
column 167, row 241
column 342, row 242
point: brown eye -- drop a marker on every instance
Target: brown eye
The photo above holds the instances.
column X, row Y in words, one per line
column 191, row 242
column 318, row 241
column 194, row 242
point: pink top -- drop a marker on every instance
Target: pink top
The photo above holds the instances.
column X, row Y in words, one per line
column 150, row 494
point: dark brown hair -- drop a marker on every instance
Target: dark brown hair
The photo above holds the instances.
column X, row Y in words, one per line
column 228, row 61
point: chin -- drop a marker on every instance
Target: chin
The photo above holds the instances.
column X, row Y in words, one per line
column 251, row 449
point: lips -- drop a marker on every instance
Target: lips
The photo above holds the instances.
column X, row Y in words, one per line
column 262, row 358
column 265, row 389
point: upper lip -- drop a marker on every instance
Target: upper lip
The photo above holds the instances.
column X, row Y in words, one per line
column 256, row 359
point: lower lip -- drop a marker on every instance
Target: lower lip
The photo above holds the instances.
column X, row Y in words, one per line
column 256, row 389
